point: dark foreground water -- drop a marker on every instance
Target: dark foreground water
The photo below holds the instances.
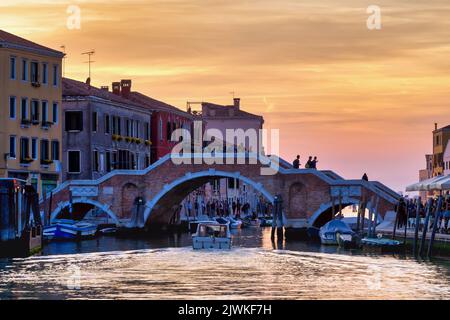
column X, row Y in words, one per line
column 168, row 268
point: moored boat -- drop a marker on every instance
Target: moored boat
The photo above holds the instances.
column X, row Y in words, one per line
column 330, row 232
column 70, row 230
column 381, row 244
column 212, row 235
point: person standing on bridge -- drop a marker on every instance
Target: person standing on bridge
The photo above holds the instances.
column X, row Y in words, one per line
column 296, row 163
column 314, row 163
column 365, row 177
column 308, row 163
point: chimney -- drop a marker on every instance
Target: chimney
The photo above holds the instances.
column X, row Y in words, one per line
column 435, row 126
column 116, row 88
column 237, row 103
column 125, row 86
column 104, row 88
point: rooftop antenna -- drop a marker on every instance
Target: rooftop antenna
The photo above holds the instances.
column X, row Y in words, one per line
column 89, row 53
column 63, row 47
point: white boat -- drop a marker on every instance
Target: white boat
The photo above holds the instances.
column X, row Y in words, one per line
column 332, row 230
column 235, row 223
column 212, row 235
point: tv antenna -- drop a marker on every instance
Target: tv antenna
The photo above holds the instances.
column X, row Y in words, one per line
column 89, row 54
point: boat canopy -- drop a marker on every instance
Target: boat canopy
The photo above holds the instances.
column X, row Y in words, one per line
column 436, row 183
column 334, row 226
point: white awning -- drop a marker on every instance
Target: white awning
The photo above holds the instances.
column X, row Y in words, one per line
column 436, row 183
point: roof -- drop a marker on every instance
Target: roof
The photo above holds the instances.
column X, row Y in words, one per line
column 12, row 41
column 446, row 128
column 156, row 105
column 74, row 88
column 224, row 111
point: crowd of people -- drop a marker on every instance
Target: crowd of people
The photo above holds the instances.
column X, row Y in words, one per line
column 226, row 208
column 310, row 164
column 410, row 207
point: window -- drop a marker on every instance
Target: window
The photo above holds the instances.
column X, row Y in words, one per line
column 168, row 131
column 74, row 120
column 45, row 73
column 73, row 159
column 55, row 112
column 12, row 147
column 44, row 150
column 24, row 147
column 160, row 130
column 44, row 111
column 55, row 150
column 35, row 111
column 128, row 127
column 24, row 109
column 34, row 72
column 147, row 160
column 107, row 123
column 95, row 161
column 55, row 75
column 12, row 107
column 24, row 70
column 12, row 68
column 34, row 148
column 146, row 131
column 136, row 130
column 94, row 121
column 108, row 161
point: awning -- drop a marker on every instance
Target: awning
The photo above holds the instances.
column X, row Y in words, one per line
column 436, row 183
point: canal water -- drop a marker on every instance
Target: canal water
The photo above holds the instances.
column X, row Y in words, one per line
column 167, row 268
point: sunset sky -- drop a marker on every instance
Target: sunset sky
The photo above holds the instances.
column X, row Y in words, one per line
column 361, row 100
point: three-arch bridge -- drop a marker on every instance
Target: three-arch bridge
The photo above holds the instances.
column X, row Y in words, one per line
column 308, row 195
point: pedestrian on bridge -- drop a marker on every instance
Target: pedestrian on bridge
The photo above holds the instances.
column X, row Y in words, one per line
column 314, row 163
column 296, row 163
column 308, row 164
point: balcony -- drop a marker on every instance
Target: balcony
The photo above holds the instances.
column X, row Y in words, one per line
column 26, row 161
column 25, row 123
column 46, row 162
column 46, row 125
column 35, row 84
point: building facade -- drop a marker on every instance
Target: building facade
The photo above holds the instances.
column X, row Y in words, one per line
column 447, row 159
column 441, row 137
column 165, row 119
column 102, row 131
column 30, row 123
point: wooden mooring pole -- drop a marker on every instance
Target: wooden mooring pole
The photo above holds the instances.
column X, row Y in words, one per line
column 277, row 219
column 425, row 226
column 437, row 215
column 397, row 213
column 416, row 227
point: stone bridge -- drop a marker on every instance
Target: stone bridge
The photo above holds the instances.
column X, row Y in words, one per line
column 308, row 195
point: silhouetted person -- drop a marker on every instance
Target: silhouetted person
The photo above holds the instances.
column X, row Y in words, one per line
column 309, row 163
column 296, row 163
column 314, row 163
column 365, row 177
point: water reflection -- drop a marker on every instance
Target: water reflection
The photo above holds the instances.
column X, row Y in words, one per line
column 167, row 267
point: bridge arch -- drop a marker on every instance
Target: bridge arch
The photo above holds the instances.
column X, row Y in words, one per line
column 96, row 204
column 346, row 201
column 189, row 177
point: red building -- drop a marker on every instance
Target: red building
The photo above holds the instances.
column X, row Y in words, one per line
column 165, row 118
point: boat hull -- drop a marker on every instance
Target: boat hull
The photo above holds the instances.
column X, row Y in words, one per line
column 211, row 243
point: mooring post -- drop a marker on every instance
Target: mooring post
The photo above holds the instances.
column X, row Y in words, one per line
column 277, row 219
column 48, row 216
column 358, row 216
column 280, row 226
column 406, row 222
column 425, row 226
column 274, row 218
column 416, row 227
column 363, row 215
column 397, row 212
column 376, row 217
column 437, row 215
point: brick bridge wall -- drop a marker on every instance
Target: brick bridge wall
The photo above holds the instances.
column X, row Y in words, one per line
column 305, row 192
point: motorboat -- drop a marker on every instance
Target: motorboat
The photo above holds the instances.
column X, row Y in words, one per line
column 235, row 223
column 212, row 235
column 381, row 244
column 249, row 222
column 70, row 230
column 335, row 229
column 265, row 221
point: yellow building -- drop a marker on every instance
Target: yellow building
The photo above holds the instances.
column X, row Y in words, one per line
column 30, row 116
